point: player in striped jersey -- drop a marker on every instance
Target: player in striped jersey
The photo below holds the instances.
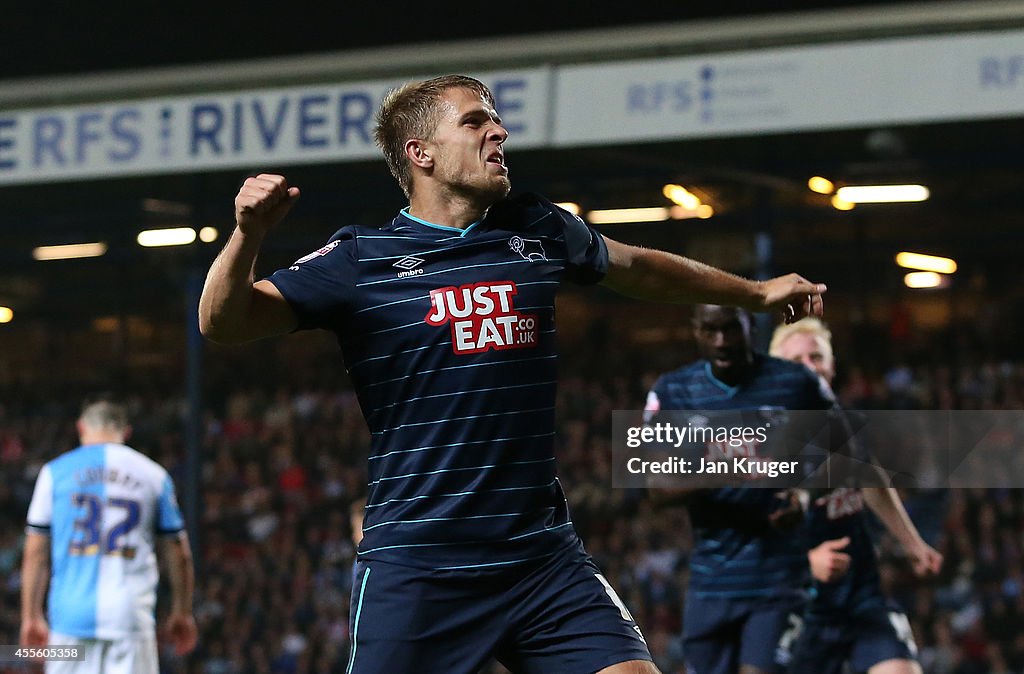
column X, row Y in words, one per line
column 445, row 318
column 748, row 569
column 93, row 521
column 848, row 618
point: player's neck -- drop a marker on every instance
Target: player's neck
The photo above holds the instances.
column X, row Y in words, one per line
column 101, row 438
column 443, row 208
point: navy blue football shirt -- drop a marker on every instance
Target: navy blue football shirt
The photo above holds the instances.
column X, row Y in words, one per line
column 448, row 336
column 731, row 561
column 833, row 515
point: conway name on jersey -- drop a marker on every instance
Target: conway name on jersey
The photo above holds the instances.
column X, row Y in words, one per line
column 448, row 336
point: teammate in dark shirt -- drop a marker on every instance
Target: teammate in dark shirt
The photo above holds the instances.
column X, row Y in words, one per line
column 445, row 318
column 848, row 618
column 748, row 569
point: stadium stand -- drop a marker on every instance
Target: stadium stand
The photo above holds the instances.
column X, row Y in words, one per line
column 281, row 466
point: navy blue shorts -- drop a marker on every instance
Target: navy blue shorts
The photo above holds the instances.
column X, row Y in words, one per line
column 554, row 615
column 720, row 635
column 864, row 639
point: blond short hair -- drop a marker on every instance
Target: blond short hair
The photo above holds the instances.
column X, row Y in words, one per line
column 412, row 111
column 808, row 326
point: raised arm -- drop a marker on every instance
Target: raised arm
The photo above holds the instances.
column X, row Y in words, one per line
column 181, row 626
column 234, row 309
column 656, row 275
column 885, row 502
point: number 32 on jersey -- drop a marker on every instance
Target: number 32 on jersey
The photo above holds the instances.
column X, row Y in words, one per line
column 90, row 540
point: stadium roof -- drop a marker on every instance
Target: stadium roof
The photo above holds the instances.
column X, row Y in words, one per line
column 74, row 38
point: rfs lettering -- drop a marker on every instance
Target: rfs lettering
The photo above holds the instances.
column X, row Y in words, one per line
column 482, row 317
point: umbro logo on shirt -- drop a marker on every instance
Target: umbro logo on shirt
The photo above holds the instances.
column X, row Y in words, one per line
column 408, row 265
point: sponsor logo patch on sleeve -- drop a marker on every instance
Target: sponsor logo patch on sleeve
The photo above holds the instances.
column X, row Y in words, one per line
column 317, row 253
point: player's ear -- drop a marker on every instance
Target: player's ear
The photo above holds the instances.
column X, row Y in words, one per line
column 418, row 153
column 127, row 433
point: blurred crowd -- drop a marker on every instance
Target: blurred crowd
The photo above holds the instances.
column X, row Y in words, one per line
column 284, row 461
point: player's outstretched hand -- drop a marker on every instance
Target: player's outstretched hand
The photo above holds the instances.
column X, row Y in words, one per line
column 182, row 631
column 35, row 633
column 926, row 560
column 262, row 202
column 794, row 296
column 827, row 563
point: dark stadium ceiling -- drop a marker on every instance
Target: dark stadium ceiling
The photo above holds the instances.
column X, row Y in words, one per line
column 46, row 38
column 756, row 184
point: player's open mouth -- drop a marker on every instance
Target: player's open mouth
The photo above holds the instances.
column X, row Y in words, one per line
column 722, row 359
column 498, row 160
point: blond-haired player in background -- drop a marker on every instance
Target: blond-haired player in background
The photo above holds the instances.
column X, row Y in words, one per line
column 848, row 618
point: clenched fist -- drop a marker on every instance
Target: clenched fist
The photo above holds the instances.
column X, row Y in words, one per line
column 262, row 202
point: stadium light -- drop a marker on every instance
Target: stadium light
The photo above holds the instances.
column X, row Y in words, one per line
column 882, row 194
column 702, row 211
column 941, row 265
column 208, row 234
column 841, row 205
column 614, row 216
column 923, row 279
column 6, row 314
column 175, row 236
column 820, row 185
column 69, row 251
column 681, row 196
column 570, row 206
